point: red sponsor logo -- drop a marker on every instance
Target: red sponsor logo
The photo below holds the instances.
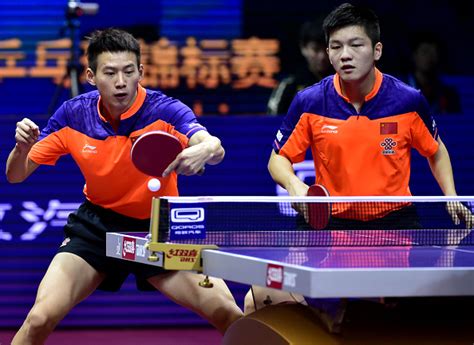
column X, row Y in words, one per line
column 184, row 255
column 389, row 128
column 128, row 248
column 274, row 276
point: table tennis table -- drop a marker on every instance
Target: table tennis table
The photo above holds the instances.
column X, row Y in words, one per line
column 325, row 272
column 321, row 273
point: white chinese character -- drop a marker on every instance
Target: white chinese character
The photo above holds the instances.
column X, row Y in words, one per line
column 55, row 215
column 5, row 236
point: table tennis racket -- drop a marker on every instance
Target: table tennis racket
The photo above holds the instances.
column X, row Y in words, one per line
column 154, row 151
column 318, row 212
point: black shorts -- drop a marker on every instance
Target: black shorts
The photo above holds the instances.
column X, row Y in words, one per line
column 85, row 236
column 404, row 218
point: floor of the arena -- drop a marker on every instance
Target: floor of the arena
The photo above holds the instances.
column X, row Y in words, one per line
column 162, row 336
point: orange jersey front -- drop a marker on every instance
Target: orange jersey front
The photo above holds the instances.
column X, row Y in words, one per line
column 103, row 155
column 359, row 154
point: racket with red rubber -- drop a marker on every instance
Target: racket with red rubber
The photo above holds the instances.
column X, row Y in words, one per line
column 154, row 151
column 319, row 213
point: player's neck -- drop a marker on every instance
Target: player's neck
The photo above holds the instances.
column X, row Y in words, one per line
column 357, row 90
column 113, row 113
column 112, row 117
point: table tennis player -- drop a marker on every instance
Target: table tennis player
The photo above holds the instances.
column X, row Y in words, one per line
column 360, row 125
column 97, row 129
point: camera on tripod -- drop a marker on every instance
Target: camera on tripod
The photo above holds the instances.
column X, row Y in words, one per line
column 77, row 9
column 74, row 10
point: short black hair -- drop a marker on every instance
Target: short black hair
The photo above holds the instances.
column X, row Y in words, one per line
column 111, row 40
column 349, row 15
column 312, row 31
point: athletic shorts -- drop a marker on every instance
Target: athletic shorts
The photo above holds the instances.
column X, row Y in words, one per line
column 405, row 218
column 85, row 236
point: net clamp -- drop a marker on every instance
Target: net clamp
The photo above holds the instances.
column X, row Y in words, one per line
column 177, row 256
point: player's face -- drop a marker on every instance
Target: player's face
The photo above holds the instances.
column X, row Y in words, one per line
column 317, row 58
column 351, row 53
column 117, row 77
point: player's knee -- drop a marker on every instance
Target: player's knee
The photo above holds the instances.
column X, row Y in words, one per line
column 38, row 324
column 223, row 318
column 224, row 312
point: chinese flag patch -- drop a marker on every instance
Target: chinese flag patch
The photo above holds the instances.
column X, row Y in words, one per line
column 389, row 128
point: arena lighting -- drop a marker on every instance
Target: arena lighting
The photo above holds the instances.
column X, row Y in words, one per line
column 78, row 9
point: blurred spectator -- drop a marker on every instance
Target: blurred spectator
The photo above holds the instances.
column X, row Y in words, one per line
column 313, row 48
column 426, row 75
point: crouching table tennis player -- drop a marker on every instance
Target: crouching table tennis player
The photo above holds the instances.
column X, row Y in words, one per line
column 97, row 129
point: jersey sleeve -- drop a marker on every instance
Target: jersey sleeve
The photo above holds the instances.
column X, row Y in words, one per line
column 293, row 138
column 52, row 142
column 424, row 130
column 182, row 118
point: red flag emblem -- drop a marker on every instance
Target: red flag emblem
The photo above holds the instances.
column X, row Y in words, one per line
column 389, row 128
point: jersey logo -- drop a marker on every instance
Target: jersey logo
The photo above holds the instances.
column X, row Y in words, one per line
column 328, row 129
column 279, row 135
column 89, row 149
column 388, row 144
column 65, row 242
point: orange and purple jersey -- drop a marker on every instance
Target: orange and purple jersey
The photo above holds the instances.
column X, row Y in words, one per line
column 359, row 154
column 103, row 154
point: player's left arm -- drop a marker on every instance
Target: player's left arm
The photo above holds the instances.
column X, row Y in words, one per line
column 441, row 168
column 202, row 149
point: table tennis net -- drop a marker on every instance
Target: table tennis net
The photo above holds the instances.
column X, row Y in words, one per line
column 353, row 221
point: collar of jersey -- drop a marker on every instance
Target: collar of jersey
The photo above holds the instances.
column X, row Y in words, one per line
column 370, row 95
column 141, row 94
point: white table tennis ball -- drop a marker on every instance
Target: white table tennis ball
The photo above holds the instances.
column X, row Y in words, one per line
column 154, row 185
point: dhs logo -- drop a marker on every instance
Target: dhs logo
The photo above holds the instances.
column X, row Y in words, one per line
column 128, row 248
column 274, row 276
column 187, row 223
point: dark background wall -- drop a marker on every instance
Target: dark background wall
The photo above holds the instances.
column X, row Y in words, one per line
column 452, row 21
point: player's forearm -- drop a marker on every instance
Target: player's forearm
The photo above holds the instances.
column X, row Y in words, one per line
column 442, row 171
column 17, row 165
column 215, row 150
column 282, row 172
column 210, row 147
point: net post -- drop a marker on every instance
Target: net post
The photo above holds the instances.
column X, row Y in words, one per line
column 154, row 219
column 154, row 228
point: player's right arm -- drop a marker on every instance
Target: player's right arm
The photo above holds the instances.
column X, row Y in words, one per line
column 19, row 166
column 282, row 172
column 289, row 146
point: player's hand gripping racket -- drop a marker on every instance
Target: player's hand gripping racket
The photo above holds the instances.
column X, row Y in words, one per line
column 154, row 151
column 318, row 212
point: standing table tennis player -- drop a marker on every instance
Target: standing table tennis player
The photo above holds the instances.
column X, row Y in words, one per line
column 97, row 128
column 360, row 125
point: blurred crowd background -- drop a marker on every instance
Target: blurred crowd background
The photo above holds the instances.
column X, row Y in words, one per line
column 220, row 57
